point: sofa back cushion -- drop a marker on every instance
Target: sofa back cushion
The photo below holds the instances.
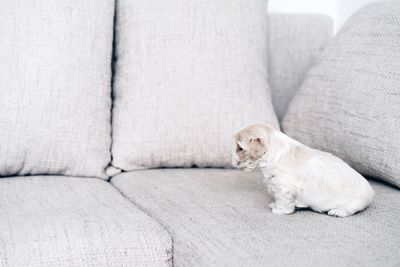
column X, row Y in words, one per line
column 189, row 74
column 349, row 103
column 55, row 99
column 292, row 50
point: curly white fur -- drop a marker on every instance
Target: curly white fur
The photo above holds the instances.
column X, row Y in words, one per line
column 299, row 176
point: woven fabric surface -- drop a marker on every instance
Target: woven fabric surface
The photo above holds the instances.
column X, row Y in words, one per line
column 292, row 50
column 221, row 218
column 186, row 83
column 349, row 103
column 55, row 92
column 65, row 221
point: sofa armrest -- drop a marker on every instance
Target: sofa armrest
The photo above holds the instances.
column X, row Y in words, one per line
column 295, row 41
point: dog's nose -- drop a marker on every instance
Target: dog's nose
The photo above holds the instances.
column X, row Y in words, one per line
column 235, row 163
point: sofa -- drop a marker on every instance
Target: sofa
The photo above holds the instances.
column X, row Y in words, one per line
column 168, row 216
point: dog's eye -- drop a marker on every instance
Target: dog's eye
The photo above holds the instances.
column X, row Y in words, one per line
column 239, row 149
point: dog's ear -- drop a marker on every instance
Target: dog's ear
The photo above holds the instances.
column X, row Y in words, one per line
column 257, row 148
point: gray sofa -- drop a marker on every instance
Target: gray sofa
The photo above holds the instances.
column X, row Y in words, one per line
column 195, row 217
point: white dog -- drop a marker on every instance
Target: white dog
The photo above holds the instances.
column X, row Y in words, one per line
column 299, row 176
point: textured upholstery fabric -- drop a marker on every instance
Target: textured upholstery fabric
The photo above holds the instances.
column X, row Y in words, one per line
column 55, row 73
column 189, row 74
column 294, row 43
column 221, row 218
column 65, row 221
column 349, row 103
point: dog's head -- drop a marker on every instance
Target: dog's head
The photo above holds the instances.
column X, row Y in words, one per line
column 251, row 144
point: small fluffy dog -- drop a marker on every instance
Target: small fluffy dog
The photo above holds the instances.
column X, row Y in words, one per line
column 299, row 176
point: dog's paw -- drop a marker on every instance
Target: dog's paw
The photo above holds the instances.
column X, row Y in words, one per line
column 282, row 211
column 338, row 213
column 272, row 205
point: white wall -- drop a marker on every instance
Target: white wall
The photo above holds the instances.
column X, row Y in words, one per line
column 339, row 10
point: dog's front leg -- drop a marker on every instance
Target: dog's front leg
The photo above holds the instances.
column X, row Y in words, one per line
column 284, row 197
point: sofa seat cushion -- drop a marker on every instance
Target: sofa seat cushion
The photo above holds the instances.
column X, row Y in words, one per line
column 221, row 218
column 65, row 221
